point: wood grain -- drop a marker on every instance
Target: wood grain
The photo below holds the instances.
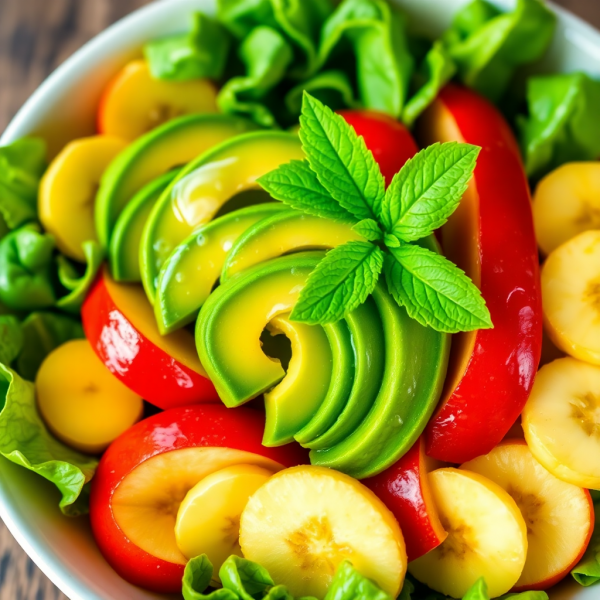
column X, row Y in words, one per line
column 35, row 37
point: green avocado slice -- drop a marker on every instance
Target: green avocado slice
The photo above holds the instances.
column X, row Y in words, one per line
column 171, row 145
column 282, row 234
column 189, row 274
column 203, row 187
column 124, row 248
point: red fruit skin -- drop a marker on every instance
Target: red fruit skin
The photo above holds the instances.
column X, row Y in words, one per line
column 140, row 364
column 206, row 425
column 481, row 403
column 389, row 140
column 404, row 489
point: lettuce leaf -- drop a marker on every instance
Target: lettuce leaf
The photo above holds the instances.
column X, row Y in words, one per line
column 488, row 45
column 244, row 577
column 25, row 440
column 587, row 572
column 11, row 339
column 349, row 584
column 202, row 52
column 563, row 122
column 22, row 164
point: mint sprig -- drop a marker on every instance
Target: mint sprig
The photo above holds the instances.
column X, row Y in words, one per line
column 341, row 180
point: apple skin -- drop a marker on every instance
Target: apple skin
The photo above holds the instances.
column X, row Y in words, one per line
column 491, row 371
column 139, row 363
column 404, row 489
column 207, row 425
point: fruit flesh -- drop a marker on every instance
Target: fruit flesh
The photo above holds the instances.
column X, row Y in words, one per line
column 571, row 296
column 134, row 102
column 487, row 536
column 303, row 523
column 87, row 407
column 68, row 191
column 559, row 516
column 561, row 421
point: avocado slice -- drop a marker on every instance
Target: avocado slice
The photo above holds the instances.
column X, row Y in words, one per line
column 233, row 318
column 291, row 403
column 171, row 145
column 189, row 274
column 203, row 187
column 282, row 234
column 124, row 248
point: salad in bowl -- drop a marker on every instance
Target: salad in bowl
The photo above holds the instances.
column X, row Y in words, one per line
column 315, row 311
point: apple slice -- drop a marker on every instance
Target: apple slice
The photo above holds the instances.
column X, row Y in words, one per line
column 405, row 490
column 561, row 421
column 164, row 370
column 134, row 102
column 491, row 371
column 146, row 473
column 487, row 536
column 559, row 515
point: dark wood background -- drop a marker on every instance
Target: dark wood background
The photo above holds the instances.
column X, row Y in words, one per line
column 35, row 37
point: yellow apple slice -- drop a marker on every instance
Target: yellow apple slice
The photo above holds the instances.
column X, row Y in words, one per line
column 306, row 520
column 208, row 521
column 487, row 536
column 571, row 296
column 559, row 515
column 561, row 421
column 566, row 203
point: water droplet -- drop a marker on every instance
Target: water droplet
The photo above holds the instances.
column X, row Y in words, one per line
column 398, row 422
column 179, row 277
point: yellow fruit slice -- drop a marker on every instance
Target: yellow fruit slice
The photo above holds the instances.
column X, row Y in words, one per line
column 566, row 203
column 68, row 191
column 571, row 296
column 487, row 536
column 81, row 401
column 306, row 520
column 561, row 421
column 208, row 521
column 558, row 515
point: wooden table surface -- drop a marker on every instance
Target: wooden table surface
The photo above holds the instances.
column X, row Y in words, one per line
column 35, row 37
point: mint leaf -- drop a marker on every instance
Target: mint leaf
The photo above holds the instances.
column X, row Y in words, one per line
column 341, row 282
column 369, row 229
column 296, row 185
column 391, row 241
column 341, row 160
column 428, row 189
column 435, row 292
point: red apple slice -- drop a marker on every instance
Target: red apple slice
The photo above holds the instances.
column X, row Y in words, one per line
column 491, row 238
column 146, row 473
column 164, row 370
column 404, row 489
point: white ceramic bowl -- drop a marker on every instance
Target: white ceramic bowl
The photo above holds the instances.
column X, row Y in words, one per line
column 64, row 108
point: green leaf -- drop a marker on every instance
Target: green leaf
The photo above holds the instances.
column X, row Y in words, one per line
column 198, row 54
column 296, row 185
column 391, row 241
column 435, row 292
column 375, row 34
column 341, row 160
column 369, row 229
column 246, row 578
column 488, row 45
column 587, row 571
column 25, row 441
column 530, row 595
column 349, row 584
column 76, row 284
column 11, row 338
column 428, row 189
column 436, row 70
column 25, row 269
column 279, row 592
column 266, row 55
column 341, row 282
column 407, row 590
column 197, row 577
column 42, row 333
column 479, row 591
column 563, row 124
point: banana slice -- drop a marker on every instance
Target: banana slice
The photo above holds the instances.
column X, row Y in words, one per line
column 561, row 421
column 571, row 296
column 487, row 536
column 306, row 520
column 566, row 203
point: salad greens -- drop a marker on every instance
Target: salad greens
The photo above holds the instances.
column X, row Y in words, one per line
column 25, row 440
column 341, row 180
column 11, row 338
column 587, row 572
